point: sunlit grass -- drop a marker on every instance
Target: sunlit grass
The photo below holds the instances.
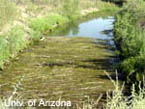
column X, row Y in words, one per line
column 46, row 24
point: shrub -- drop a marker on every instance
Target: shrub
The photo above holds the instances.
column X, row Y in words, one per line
column 129, row 39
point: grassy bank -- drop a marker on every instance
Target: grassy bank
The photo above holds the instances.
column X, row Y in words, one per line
column 27, row 21
column 129, row 38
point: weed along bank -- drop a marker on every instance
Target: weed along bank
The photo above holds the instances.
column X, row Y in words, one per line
column 56, row 53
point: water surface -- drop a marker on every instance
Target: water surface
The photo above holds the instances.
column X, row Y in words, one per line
column 99, row 28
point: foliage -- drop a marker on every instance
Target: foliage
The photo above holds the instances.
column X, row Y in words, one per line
column 129, row 39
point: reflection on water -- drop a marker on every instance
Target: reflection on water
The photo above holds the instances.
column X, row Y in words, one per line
column 96, row 28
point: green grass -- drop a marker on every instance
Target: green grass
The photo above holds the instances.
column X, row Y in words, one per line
column 5, row 53
column 107, row 6
column 11, row 43
column 47, row 23
column 16, row 39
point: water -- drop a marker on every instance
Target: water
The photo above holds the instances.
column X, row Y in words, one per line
column 99, row 28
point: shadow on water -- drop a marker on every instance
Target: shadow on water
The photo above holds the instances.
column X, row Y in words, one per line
column 95, row 64
column 98, row 64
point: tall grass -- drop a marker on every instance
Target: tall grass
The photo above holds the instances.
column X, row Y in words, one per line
column 12, row 42
column 47, row 23
column 70, row 9
column 8, row 12
column 107, row 6
column 117, row 100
